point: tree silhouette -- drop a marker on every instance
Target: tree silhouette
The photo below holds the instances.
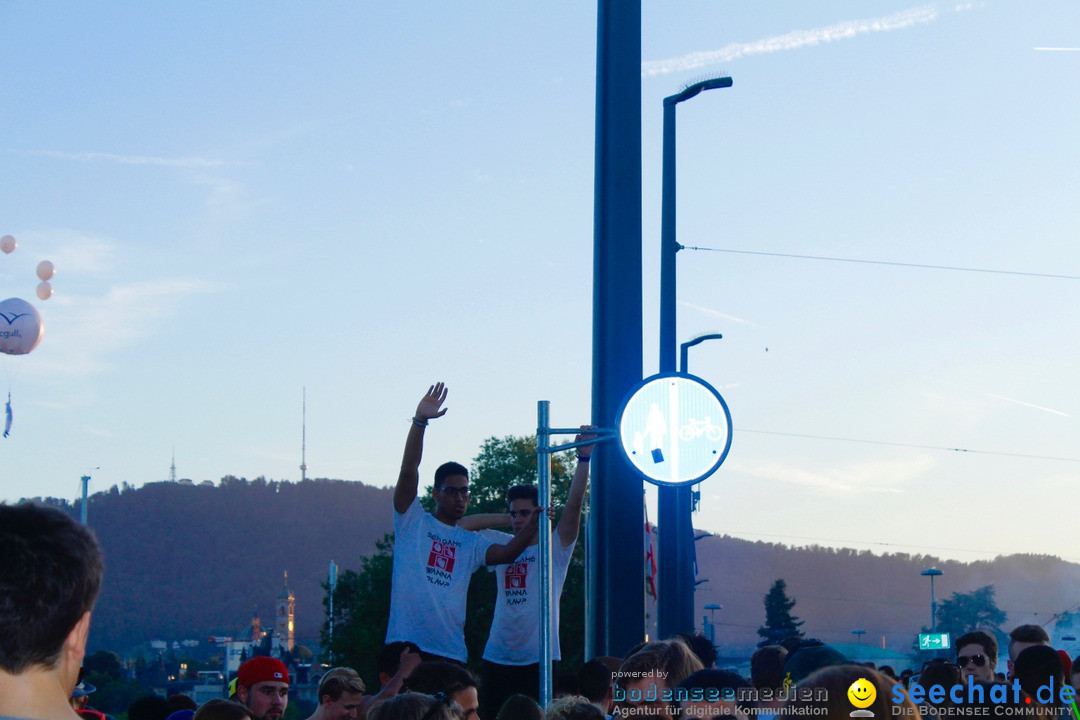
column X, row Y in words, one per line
column 779, row 622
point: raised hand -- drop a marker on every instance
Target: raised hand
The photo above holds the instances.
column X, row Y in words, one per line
column 585, row 433
column 431, row 402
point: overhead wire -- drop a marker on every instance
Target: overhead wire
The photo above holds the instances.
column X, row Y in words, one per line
column 968, row 451
column 922, row 266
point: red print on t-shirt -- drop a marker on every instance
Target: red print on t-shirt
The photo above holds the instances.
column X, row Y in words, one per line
column 515, row 575
column 441, row 557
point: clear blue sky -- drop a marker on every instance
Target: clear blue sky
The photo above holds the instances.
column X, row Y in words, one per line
column 244, row 199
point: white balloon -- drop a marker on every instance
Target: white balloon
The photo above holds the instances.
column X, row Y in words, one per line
column 20, row 327
column 45, row 270
column 8, row 243
column 44, row 290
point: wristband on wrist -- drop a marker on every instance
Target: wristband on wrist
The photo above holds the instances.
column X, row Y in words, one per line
column 419, row 422
column 583, row 458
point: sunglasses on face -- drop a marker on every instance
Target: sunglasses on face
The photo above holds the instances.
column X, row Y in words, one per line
column 978, row 660
column 462, row 491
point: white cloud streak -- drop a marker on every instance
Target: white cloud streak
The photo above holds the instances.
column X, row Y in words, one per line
column 188, row 162
column 1028, row 405
column 717, row 314
column 791, row 41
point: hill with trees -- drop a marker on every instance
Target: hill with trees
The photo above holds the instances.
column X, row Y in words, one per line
column 186, row 561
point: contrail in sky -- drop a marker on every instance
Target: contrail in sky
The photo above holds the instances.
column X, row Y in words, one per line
column 191, row 162
column 1027, row 404
column 792, row 40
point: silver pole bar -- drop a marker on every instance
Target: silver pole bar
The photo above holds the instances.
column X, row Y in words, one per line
column 543, row 530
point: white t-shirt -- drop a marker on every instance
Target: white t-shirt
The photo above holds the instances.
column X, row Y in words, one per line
column 515, row 629
column 433, row 563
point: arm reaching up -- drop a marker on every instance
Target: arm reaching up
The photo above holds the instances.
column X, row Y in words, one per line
column 409, row 476
column 570, row 520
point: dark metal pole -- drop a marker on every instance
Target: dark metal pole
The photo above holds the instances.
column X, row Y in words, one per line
column 616, row 518
column 675, row 527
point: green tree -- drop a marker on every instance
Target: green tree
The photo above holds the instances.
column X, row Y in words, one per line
column 361, row 612
column 362, row 598
column 779, row 622
column 114, row 692
column 975, row 610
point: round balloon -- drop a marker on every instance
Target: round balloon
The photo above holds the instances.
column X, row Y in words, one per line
column 7, row 244
column 45, row 270
column 44, row 290
column 20, row 327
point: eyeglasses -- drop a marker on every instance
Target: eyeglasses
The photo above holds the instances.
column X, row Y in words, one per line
column 462, row 491
column 440, row 700
column 963, row 660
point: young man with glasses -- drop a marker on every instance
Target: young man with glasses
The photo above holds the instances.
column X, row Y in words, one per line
column 976, row 654
column 433, row 557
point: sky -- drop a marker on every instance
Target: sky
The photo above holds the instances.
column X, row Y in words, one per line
column 247, row 202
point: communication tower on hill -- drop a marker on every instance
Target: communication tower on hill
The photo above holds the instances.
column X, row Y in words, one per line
column 303, row 438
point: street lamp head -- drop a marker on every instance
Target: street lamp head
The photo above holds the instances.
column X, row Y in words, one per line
column 714, row 606
column 694, row 89
column 931, row 572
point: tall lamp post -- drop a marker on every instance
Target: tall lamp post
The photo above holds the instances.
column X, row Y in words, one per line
column 675, row 530
column 932, row 573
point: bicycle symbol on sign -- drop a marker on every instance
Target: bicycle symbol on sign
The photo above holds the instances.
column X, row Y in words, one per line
column 695, row 428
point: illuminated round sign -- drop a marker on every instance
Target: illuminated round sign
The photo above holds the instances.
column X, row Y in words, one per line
column 675, row 429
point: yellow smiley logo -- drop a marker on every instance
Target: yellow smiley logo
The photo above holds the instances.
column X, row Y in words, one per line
column 862, row 693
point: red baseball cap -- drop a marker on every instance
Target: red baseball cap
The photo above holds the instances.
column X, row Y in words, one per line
column 262, row 669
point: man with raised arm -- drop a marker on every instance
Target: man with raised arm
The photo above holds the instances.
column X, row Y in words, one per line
column 512, row 656
column 433, row 557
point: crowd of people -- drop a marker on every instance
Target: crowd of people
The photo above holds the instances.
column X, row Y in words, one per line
column 51, row 571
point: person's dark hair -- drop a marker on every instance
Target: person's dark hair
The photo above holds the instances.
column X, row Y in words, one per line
column 1029, row 634
column 218, row 709
column 523, row 492
column 792, row 643
column 767, row 667
column 413, row 706
column 446, row 470
column 594, row 680
column 180, row 701
column 1076, row 666
column 390, row 656
column 713, row 679
column 520, row 707
column 940, row 671
column 50, row 575
column 888, row 671
column 1034, row 665
column 701, row 646
column 439, row 677
column 149, row 707
column 981, row 638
